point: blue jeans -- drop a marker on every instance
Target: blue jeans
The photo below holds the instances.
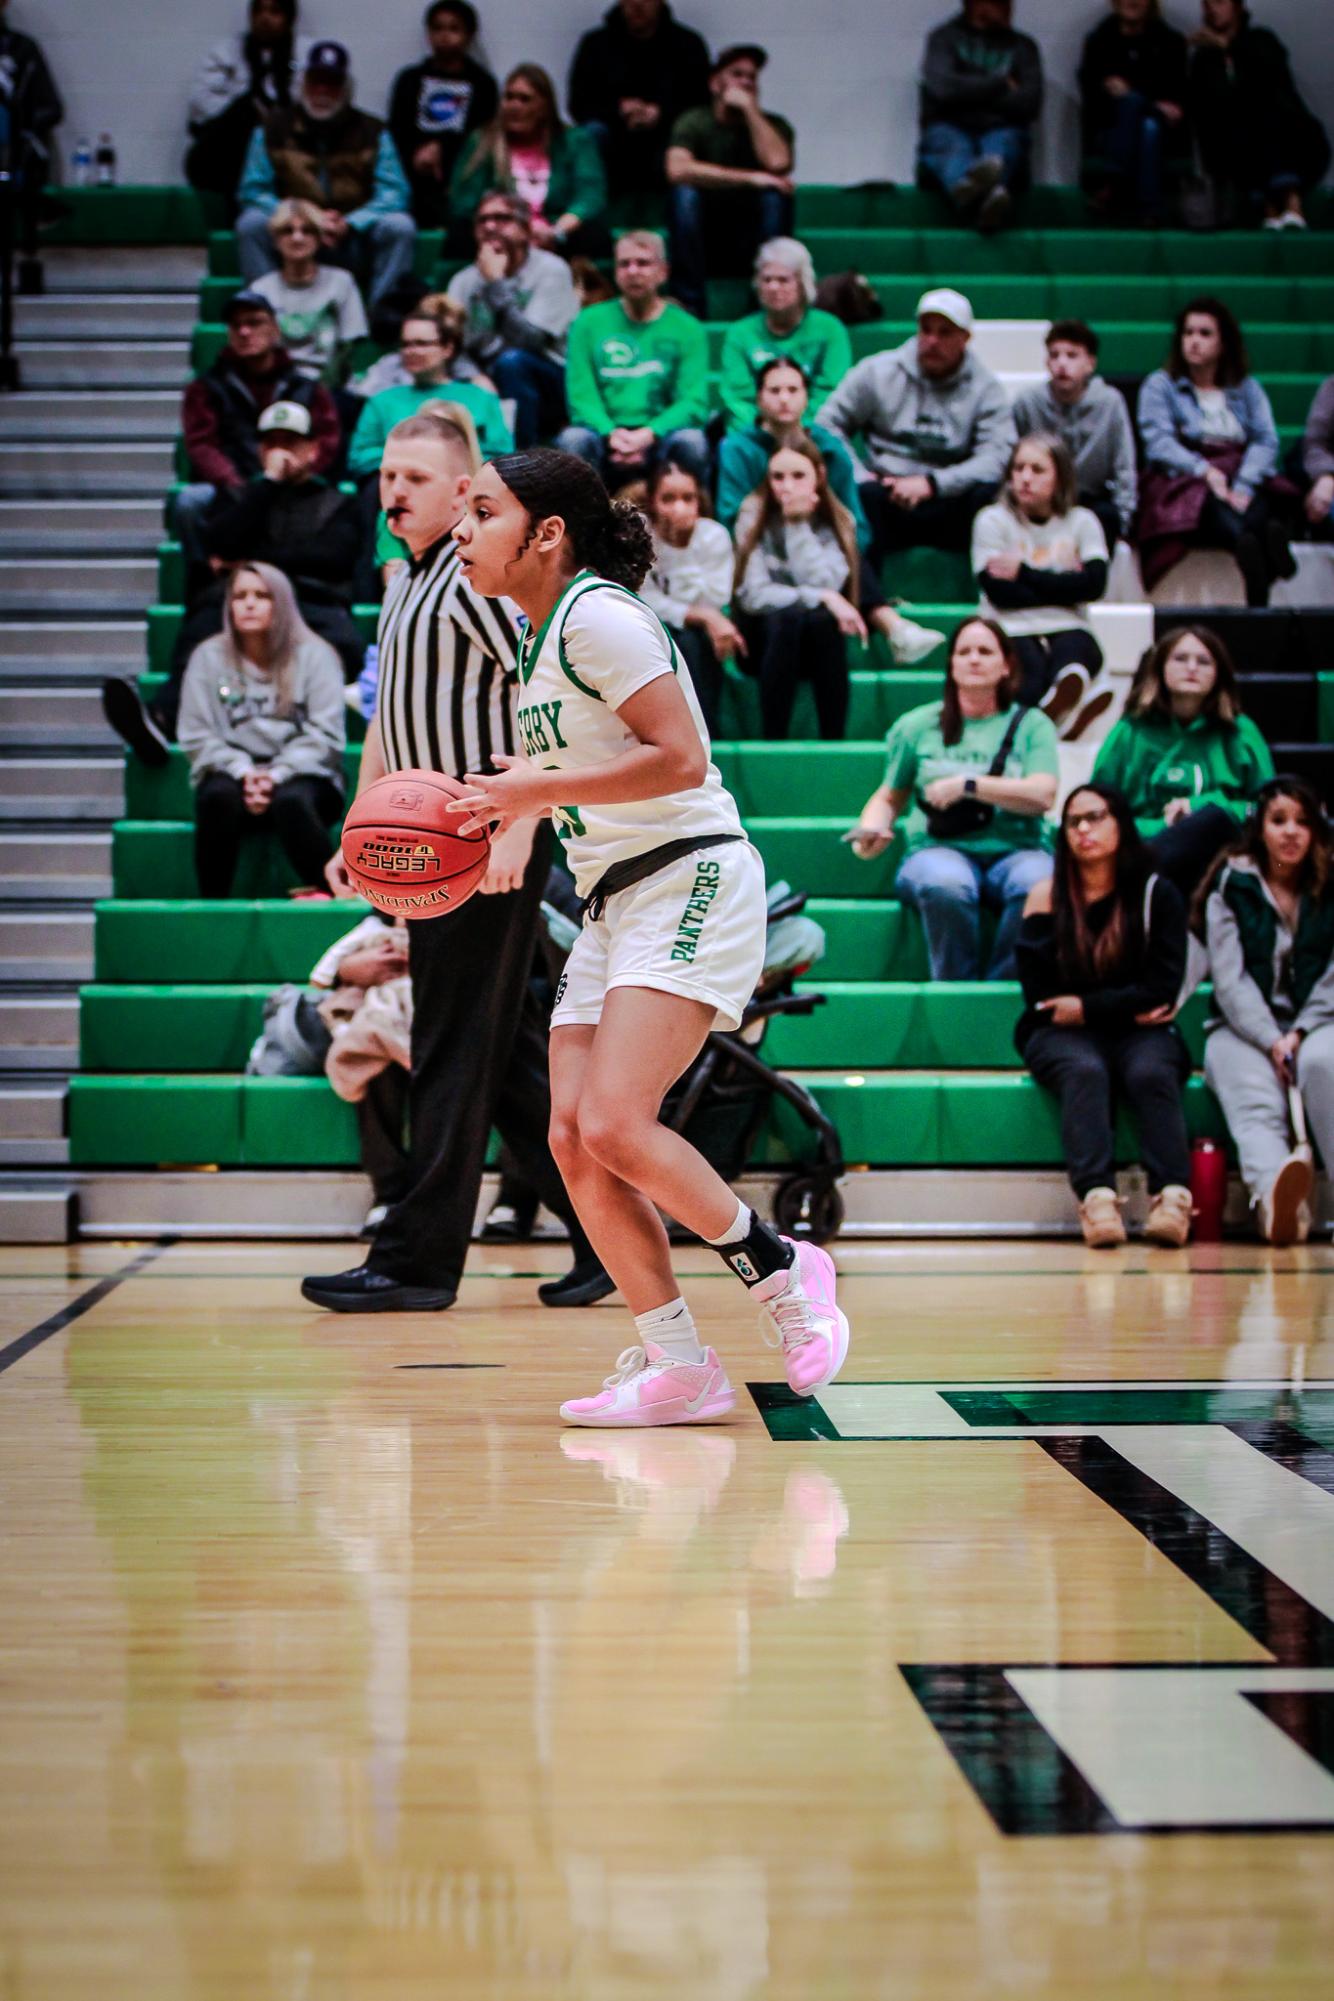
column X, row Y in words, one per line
column 1133, row 145
column 185, row 512
column 687, row 448
column 537, row 385
column 945, row 153
column 947, row 889
column 699, row 223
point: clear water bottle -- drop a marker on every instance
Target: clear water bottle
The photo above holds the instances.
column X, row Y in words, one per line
column 106, row 161
column 81, row 164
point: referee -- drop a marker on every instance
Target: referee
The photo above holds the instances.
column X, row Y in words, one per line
column 448, row 673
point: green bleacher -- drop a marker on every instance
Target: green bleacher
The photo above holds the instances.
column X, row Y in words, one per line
column 915, row 1074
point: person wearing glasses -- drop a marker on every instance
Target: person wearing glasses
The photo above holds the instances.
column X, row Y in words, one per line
column 427, row 347
column 318, row 306
column 1101, row 957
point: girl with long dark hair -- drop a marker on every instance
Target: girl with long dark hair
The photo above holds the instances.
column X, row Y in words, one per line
column 1101, row 957
column 1268, row 914
column 616, row 752
column 969, row 781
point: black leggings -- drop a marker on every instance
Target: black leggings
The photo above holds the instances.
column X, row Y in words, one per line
column 801, row 643
column 1184, row 851
column 1045, row 655
column 1257, row 539
column 1087, row 1072
column 300, row 811
column 706, row 670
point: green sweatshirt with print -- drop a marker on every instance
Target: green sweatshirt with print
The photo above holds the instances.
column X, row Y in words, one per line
column 1155, row 758
column 624, row 374
column 819, row 344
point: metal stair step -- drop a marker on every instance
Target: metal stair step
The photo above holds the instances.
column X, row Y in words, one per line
column 42, row 469
column 37, row 1212
column 32, row 1124
column 55, row 867
column 41, row 415
column 117, row 583
column 60, row 717
column 39, row 1031
column 77, row 316
column 115, row 268
column 61, row 788
column 83, row 648
column 126, row 365
column 45, row 944
column 81, row 527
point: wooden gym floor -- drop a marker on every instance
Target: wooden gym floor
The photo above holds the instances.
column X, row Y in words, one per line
column 333, row 1668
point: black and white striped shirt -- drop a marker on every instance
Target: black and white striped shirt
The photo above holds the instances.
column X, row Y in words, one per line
column 448, row 670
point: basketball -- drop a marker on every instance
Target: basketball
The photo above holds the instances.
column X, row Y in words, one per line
column 404, row 851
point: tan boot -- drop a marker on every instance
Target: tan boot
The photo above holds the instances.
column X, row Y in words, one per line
column 1100, row 1219
column 1168, row 1220
column 1285, row 1215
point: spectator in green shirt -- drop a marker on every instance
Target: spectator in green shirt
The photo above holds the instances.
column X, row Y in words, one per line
column 729, row 171
column 427, row 345
column 636, row 374
column 973, row 835
column 789, row 323
column 1187, row 759
column 529, row 150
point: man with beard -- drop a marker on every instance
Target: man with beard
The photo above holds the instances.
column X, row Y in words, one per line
column 323, row 149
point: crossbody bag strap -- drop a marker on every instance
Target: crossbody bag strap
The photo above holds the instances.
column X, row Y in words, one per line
column 998, row 762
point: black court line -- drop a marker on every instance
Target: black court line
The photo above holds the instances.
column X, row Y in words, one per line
column 86, row 1301
column 449, row 1365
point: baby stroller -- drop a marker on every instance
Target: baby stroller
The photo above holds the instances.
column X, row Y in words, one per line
column 724, row 1098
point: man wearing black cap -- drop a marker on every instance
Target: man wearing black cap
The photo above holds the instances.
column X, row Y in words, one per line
column 729, row 167
column 322, row 149
column 222, row 407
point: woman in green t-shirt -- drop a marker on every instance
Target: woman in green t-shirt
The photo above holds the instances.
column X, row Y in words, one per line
column 1187, row 759
column 972, row 837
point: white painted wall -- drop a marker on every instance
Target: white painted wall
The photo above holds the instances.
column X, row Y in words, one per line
column 845, row 74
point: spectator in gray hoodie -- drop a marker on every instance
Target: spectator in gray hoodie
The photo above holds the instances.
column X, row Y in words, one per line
column 1091, row 420
column 935, row 428
column 981, row 95
column 262, row 723
column 519, row 303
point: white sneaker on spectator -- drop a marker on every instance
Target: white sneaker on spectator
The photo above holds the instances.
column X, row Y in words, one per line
column 909, row 643
column 1285, row 1215
column 1065, row 694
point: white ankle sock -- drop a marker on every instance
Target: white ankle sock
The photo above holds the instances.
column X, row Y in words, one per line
column 671, row 1328
column 738, row 1230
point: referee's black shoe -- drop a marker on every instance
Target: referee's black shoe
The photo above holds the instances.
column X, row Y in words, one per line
column 365, row 1290
column 584, row 1284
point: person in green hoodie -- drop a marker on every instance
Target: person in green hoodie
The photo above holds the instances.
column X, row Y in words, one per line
column 1183, row 753
column 636, row 374
column 529, row 150
column 789, row 323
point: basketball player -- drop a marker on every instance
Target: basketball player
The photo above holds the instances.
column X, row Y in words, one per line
column 616, row 751
column 446, row 699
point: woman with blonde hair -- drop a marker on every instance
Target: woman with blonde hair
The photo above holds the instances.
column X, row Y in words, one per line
column 529, row 150
column 1040, row 560
column 262, row 724
column 797, row 585
column 317, row 306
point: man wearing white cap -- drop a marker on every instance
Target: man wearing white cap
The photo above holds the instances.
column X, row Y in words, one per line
column 931, row 428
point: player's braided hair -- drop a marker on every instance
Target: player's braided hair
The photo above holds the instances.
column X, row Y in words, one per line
column 605, row 535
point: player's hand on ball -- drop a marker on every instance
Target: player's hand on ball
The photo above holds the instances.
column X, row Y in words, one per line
column 337, row 877
column 496, row 799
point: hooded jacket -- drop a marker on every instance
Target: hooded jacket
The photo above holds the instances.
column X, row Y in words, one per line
column 221, row 410
column 1097, row 433
column 1155, row 758
column 229, row 720
column 347, row 162
column 1268, row 977
column 669, row 68
column 980, row 81
column 959, row 431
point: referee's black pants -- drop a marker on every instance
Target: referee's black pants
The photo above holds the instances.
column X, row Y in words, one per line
column 479, row 1059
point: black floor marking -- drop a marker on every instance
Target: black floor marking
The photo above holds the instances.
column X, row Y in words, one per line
column 449, row 1365
column 25, row 1343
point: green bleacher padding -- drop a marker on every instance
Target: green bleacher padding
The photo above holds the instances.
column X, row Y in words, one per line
column 256, row 940
column 875, row 701
column 910, row 1119
column 943, row 254
column 223, row 261
column 296, row 1122
column 180, row 1027
column 866, row 938
column 162, row 792
column 155, row 1121
column 156, row 859
column 1325, row 706
column 930, row 577
column 133, row 214
column 170, row 573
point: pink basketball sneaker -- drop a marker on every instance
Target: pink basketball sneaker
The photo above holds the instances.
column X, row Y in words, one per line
column 800, row 1308
column 649, row 1387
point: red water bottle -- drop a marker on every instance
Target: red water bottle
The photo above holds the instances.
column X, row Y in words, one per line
column 1208, row 1190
